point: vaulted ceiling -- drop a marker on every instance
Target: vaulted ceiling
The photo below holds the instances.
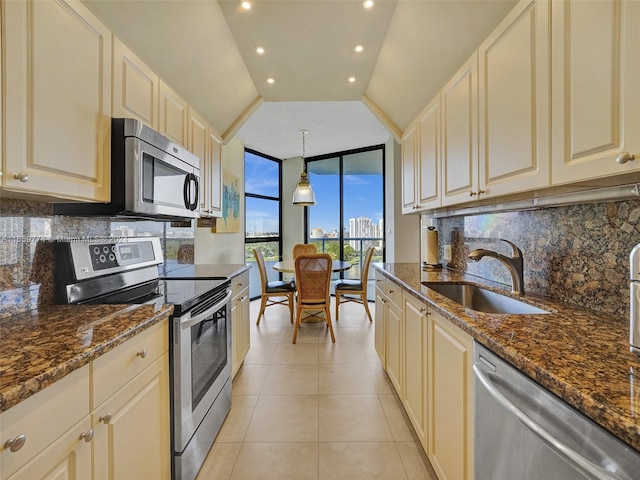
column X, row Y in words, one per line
column 206, row 51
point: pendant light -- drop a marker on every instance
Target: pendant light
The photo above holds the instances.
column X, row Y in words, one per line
column 303, row 196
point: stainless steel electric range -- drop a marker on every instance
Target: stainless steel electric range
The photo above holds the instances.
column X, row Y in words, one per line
column 126, row 271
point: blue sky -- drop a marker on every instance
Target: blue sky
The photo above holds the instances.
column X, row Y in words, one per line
column 362, row 197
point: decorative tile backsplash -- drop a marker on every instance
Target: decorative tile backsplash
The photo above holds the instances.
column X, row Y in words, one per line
column 577, row 254
column 28, row 231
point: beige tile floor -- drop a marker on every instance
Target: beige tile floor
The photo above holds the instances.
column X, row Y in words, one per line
column 314, row 410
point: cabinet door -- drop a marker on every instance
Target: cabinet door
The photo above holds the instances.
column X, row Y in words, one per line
column 596, row 66
column 460, row 135
column 409, row 202
column 393, row 321
column 57, row 76
column 415, row 365
column 135, row 87
column 428, row 158
column 174, row 114
column 132, row 428
column 380, row 325
column 450, row 400
column 240, row 331
column 68, row 458
column 197, row 136
column 212, row 173
column 514, row 110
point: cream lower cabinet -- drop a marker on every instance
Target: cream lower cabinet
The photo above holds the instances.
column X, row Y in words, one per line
column 240, row 315
column 131, row 419
column 596, row 94
column 52, row 426
column 126, row 435
column 57, row 94
column 450, row 400
column 388, row 329
column 414, row 397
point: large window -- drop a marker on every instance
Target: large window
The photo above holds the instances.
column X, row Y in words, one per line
column 348, row 216
column 262, row 177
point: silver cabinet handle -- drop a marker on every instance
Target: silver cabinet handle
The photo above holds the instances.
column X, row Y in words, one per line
column 625, row 157
column 22, row 176
column 105, row 418
column 142, row 353
column 87, row 436
column 423, row 310
column 16, row 443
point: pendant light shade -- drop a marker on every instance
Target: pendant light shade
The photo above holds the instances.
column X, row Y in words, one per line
column 303, row 195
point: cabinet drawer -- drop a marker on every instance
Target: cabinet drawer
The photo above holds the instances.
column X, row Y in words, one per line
column 239, row 283
column 42, row 418
column 116, row 368
column 393, row 292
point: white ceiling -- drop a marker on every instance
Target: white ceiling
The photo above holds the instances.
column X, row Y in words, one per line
column 205, row 50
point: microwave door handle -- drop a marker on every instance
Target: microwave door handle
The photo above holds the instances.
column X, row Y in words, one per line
column 196, row 192
column 189, row 178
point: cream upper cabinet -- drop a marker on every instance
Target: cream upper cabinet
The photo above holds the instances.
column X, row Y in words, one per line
column 57, row 80
column 409, row 201
column 460, row 135
column 415, row 356
column 197, row 136
column 450, row 400
column 421, row 161
column 135, row 87
column 514, row 110
column 428, row 156
column 596, row 91
column 174, row 116
column 211, row 202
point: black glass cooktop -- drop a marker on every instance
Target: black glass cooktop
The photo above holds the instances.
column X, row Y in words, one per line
column 184, row 294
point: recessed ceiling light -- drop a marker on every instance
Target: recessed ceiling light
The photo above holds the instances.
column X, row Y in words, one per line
column 270, row 81
column 367, row 4
column 260, row 50
column 358, row 48
column 352, row 79
column 246, row 5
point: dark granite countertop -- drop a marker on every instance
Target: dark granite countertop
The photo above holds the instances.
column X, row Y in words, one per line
column 40, row 347
column 201, row 270
column 580, row 355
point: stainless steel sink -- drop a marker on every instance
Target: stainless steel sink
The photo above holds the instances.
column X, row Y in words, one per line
column 482, row 300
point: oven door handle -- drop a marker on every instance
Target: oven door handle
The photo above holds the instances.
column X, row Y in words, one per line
column 565, row 451
column 191, row 321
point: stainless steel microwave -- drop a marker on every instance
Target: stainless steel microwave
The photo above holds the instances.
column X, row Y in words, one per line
column 151, row 177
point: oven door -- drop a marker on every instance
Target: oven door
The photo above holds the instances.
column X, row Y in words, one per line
column 159, row 184
column 201, row 366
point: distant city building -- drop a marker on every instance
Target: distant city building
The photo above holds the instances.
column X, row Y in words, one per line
column 363, row 227
column 317, row 233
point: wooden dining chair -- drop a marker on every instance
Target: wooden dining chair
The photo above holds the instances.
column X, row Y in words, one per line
column 299, row 248
column 313, row 274
column 355, row 290
column 273, row 289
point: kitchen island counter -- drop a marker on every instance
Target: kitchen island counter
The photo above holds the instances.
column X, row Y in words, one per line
column 580, row 355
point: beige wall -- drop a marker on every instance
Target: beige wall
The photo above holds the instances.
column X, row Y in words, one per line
column 220, row 248
column 292, row 216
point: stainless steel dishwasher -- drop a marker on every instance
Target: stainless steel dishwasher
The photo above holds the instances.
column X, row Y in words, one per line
column 524, row 432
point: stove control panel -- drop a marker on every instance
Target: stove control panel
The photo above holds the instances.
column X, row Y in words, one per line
column 110, row 255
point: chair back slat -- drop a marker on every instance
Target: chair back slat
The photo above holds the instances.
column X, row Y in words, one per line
column 264, row 280
column 365, row 267
column 300, row 248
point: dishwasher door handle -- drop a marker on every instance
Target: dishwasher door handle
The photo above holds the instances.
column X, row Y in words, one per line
column 569, row 454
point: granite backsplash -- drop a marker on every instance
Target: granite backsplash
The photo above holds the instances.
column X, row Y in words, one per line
column 576, row 254
column 29, row 229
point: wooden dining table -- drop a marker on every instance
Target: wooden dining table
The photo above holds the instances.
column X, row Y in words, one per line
column 290, row 266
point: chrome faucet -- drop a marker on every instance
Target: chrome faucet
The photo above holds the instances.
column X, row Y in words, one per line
column 514, row 264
